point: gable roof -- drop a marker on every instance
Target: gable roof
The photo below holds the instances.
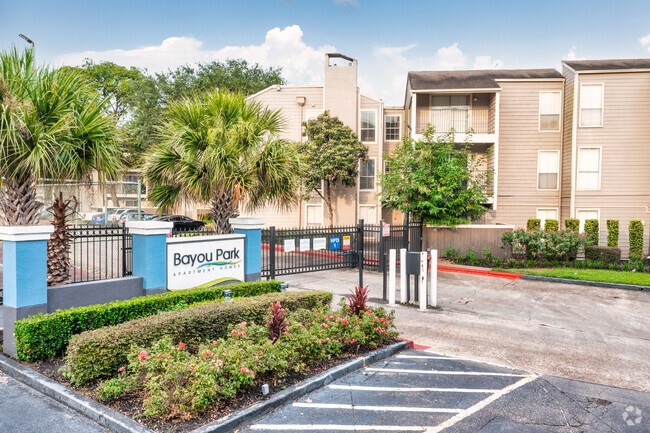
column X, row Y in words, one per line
column 612, row 64
column 474, row 79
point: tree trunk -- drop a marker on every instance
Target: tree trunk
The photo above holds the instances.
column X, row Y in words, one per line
column 114, row 199
column 58, row 247
column 18, row 204
column 222, row 209
column 329, row 204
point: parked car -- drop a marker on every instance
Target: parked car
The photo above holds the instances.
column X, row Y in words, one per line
column 182, row 222
column 88, row 216
column 132, row 215
column 98, row 218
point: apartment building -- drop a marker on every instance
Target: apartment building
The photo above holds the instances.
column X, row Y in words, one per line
column 606, row 143
column 380, row 128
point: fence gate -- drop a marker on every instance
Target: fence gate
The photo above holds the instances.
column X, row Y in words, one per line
column 298, row 250
column 99, row 252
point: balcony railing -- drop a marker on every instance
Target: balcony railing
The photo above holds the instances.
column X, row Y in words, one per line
column 480, row 178
column 479, row 120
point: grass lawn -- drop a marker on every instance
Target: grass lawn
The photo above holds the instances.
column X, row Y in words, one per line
column 605, row 276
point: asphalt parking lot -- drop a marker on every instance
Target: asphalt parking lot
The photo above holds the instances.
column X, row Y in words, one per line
column 425, row 392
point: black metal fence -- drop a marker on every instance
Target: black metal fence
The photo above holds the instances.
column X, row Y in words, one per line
column 100, row 252
column 178, row 232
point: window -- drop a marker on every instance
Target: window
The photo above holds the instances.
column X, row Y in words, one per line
column 368, row 213
column 587, row 214
column 546, row 214
column 367, row 175
column 588, row 168
column 549, row 111
column 450, row 111
column 368, row 125
column 314, row 215
column 591, row 105
column 548, row 166
column 392, row 128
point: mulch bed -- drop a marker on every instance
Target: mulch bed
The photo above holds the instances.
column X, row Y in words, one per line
column 132, row 406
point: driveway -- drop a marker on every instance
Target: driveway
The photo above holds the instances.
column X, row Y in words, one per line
column 585, row 333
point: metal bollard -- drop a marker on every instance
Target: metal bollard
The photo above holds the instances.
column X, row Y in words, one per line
column 392, row 256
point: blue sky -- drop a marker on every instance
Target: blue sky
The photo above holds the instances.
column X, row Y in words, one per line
column 389, row 38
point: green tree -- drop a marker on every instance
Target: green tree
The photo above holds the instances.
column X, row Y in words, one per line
column 436, row 180
column 220, row 149
column 332, row 152
column 53, row 127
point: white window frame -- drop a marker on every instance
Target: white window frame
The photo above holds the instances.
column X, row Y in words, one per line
column 602, row 105
column 539, row 112
column 557, row 183
column 399, row 134
column 369, row 206
column 374, row 184
column 450, row 108
column 600, row 168
column 581, row 227
column 376, row 124
column 307, row 206
column 557, row 214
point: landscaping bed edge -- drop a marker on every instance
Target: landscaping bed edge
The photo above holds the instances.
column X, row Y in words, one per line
column 585, row 282
column 88, row 407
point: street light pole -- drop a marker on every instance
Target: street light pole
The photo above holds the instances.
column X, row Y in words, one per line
column 29, row 41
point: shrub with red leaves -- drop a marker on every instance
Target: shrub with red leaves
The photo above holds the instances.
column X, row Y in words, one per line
column 357, row 302
column 277, row 324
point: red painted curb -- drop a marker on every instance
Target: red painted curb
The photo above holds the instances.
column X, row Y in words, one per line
column 413, row 345
column 481, row 272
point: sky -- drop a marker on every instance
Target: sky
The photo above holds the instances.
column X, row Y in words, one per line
column 388, row 38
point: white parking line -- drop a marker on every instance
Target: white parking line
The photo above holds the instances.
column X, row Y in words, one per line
column 427, row 357
column 401, row 389
column 480, row 405
column 379, row 408
column 306, row 427
column 444, row 372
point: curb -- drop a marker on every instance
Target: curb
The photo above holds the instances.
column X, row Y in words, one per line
column 586, row 283
column 247, row 415
column 480, row 272
column 86, row 406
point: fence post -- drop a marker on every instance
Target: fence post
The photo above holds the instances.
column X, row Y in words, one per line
column 24, row 277
column 252, row 228
column 149, row 252
column 405, row 233
column 124, row 235
column 391, row 277
column 422, row 298
column 272, row 253
column 403, row 277
column 382, row 257
column 433, row 293
column 360, row 241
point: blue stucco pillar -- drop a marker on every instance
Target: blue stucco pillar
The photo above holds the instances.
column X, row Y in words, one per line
column 150, row 253
column 252, row 228
column 24, row 276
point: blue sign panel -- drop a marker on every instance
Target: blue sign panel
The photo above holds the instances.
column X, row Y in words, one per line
column 335, row 243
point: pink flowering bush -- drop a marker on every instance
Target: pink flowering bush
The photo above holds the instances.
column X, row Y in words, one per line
column 175, row 382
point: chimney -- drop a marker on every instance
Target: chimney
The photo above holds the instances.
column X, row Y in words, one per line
column 340, row 89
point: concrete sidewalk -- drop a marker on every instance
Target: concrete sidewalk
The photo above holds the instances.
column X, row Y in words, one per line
column 580, row 332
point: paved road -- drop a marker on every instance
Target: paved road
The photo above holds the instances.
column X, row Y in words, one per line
column 24, row 410
column 585, row 333
column 422, row 391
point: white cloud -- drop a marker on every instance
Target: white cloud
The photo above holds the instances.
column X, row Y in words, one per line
column 645, row 41
column 486, row 62
column 571, row 55
column 301, row 64
column 450, row 57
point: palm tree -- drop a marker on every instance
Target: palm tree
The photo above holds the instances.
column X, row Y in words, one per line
column 53, row 127
column 221, row 149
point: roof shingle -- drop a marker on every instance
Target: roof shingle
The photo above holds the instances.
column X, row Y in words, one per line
column 613, row 64
column 475, row 79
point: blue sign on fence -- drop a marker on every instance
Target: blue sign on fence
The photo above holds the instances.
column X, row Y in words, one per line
column 335, row 243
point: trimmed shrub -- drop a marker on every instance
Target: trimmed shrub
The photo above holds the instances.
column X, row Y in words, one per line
column 552, row 225
column 572, row 224
column 533, row 223
column 612, row 233
column 636, row 240
column 606, row 255
column 101, row 352
column 592, row 232
column 46, row 335
column 542, row 245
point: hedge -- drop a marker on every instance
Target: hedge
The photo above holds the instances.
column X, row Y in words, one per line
column 572, row 224
column 605, row 255
column 612, row 233
column 533, row 223
column 636, row 239
column 101, row 352
column 46, row 335
column 592, row 232
column 552, row 225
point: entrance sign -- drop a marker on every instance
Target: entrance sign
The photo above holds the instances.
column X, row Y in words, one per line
column 386, row 230
column 304, row 244
column 320, row 244
column 289, row 245
column 346, row 242
column 335, row 243
column 204, row 260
